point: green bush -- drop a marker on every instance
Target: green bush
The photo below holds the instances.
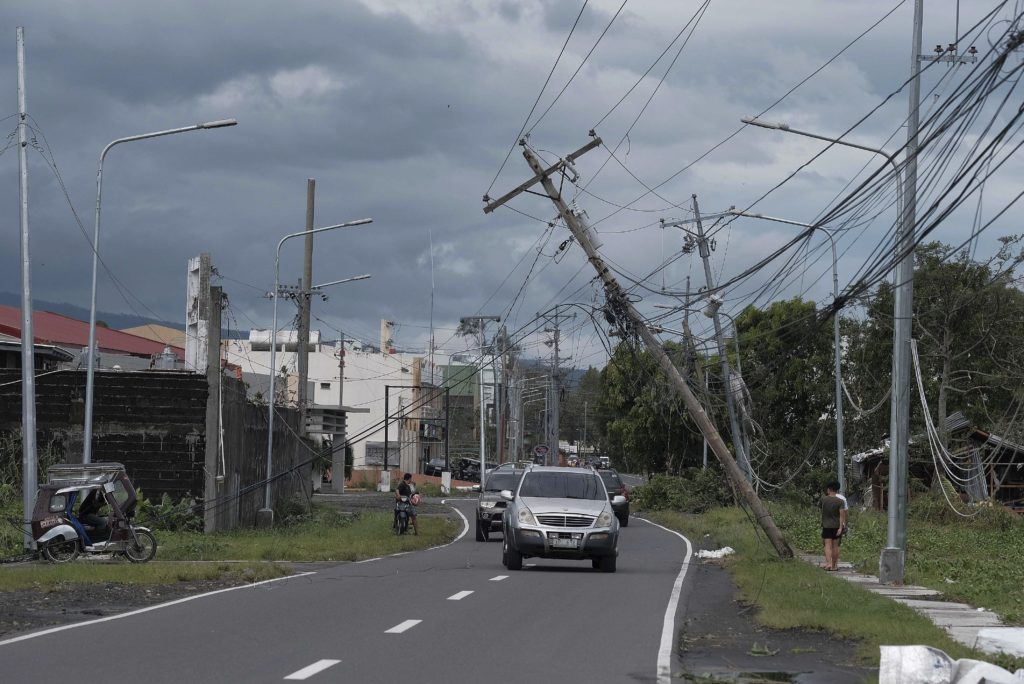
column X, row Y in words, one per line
column 932, row 507
column 695, row 491
column 183, row 516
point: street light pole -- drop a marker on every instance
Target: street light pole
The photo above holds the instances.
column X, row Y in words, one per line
column 482, row 321
column 91, row 349
column 267, row 513
column 893, row 558
column 836, row 341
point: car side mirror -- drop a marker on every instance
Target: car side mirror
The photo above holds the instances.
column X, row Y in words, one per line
column 507, row 494
column 618, row 500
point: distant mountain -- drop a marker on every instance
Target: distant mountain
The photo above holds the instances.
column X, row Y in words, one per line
column 117, row 321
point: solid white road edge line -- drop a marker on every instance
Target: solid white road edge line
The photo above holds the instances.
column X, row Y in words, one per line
column 310, row 670
column 459, row 596
column 668, row 624
column 53, row 630
column 402, row 627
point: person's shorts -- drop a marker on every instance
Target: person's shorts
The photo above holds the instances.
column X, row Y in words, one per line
column 830, row 533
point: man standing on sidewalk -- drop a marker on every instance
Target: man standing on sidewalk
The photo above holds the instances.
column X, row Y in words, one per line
column 833, row 524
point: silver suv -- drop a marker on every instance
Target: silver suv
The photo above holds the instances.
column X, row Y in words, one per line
column 560, row 513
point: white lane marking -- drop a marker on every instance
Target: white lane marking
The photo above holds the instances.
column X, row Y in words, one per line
column 367, row 560
column 53, row 630
column 458, row 597
column 499, row 578
column 408, row 624
column 465, row 529
column 310, row 670
column 668, row 624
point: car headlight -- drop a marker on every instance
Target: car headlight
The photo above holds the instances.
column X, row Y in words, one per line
column 526, row 516
column 487, row 504
column 605, row 519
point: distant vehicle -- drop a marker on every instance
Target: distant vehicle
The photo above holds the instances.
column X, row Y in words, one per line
column 616, row 490
column 490, row 506
column 604, row 462
column 560, row 513
column 434, row 466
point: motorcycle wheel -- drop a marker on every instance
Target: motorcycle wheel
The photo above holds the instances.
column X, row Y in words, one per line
column 60, row 551
column 144, row 550
column 403, row 524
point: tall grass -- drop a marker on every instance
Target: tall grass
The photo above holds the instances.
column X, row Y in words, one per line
column 975, row 560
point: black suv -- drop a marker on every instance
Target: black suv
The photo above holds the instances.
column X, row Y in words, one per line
column 490, row 505
column 616, row 487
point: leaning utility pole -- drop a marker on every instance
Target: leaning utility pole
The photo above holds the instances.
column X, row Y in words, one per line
column 29, row 463
column 626, row 315
column 723, row 355
column 305, row 295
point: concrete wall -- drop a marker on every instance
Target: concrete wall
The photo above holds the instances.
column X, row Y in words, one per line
column 155, row 424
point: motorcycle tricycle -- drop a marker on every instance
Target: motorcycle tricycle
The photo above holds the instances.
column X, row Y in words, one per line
column 62, row 529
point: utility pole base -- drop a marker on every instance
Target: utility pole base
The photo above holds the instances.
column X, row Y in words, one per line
column 264, row 518
column 890, row 566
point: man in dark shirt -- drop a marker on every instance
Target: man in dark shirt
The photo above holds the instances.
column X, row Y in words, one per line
column 833, row 524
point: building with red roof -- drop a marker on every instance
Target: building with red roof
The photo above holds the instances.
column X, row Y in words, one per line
column 67, row 332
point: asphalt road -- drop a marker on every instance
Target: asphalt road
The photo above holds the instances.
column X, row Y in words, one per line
column 450, row 614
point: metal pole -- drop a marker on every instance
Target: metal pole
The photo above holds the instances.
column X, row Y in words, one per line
column 91, row 348
column 737, row 436
column 29, row 461
column 483, row 413
column 837, row 353
column 386, row 424
column 447, row 428
column 893, row 557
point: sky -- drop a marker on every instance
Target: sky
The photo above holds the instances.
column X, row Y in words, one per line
column 404, row 111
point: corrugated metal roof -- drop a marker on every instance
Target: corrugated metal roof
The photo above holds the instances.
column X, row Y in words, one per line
column 158, row 333
column 52, row 328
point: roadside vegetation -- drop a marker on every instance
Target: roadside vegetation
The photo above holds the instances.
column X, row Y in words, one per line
column 245, row 555
column 971, row 560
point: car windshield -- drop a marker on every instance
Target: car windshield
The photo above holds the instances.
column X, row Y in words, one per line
column 499, row 481
column 611, row 479
column 562, row 486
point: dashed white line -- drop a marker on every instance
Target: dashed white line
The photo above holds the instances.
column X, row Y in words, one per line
column 499, row 578
column 310, row 670
column 408, row 624
column 459, row 596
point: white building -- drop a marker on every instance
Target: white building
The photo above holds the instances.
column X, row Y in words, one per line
column 414, row 402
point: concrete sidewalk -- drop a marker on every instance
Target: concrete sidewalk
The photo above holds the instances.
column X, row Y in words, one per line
column 960, row 620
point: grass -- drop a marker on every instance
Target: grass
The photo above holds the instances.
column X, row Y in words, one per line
column 49, row 578
column 795, row 594
column 328, row 537
column 975, row 561
column 325, row 535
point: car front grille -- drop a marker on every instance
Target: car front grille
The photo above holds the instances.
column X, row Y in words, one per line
column 552, row 520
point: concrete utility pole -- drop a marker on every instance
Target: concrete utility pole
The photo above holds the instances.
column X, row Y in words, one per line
column 305, row 303
column 627, row 316
column 214, row 414
column 713, row 304
column 340, row 440
column 29, row 462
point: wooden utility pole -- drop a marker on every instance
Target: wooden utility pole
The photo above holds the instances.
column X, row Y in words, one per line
column 626, row 316
column 305, row 295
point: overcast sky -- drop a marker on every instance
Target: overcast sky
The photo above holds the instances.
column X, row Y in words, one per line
column 403, row 111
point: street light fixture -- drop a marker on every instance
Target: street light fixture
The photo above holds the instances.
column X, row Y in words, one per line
column 267, row 509
column 836, row 342
column 91, row 349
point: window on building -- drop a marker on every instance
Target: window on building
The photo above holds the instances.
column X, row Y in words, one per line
column 325, row 385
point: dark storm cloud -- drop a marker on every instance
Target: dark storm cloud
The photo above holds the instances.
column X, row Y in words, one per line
column 403, row 112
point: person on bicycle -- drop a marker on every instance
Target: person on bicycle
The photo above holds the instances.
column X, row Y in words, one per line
column 408, row 489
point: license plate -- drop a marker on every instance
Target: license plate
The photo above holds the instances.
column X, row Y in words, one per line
column 559, row 543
